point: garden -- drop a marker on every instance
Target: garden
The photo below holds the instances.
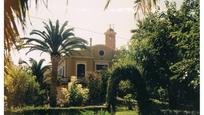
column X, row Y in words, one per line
column 157, row 74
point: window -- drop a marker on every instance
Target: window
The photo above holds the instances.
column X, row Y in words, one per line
column 80, row 70
column 101, row 53
column 100, row 67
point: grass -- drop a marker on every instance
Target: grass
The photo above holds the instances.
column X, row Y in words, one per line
column 128, row 112
column 122, row 110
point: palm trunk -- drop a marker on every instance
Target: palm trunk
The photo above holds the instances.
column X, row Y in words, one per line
column 53, row 87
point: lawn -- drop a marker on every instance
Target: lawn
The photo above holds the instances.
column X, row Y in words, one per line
column 128, row 112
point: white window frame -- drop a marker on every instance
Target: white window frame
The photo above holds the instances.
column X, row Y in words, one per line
column 101, row 63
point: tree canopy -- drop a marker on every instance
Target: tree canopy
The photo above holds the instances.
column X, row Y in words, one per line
column 57, row 41
column 165, row 48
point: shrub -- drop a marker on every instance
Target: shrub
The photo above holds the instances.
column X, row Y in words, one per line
column 105, row 75
column 21, row 88
column 76, row 95
column 125, row 87
column 94, row 86
column 129, row 101
column 62, row 93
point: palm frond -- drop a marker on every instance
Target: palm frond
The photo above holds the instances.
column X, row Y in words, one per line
column 63, row 27
column 141, row 6
column 39, row 33
column 56, row 39
column 40, row 63
column 36, row 41
column 22, row 62
column 107, row 4
column 39, row 48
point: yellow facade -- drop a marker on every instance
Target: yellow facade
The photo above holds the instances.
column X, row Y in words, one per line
column 92, row 59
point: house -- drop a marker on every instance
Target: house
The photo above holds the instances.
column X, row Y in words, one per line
column 93, row 59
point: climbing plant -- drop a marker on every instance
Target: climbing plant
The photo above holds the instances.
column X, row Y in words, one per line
column 128, row 72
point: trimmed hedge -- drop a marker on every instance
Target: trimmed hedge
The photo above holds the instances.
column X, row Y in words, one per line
column 53, row 111
column 128, row 72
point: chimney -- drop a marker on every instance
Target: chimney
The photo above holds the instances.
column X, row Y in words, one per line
column 90, row 42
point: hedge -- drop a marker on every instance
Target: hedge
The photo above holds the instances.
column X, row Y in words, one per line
column 53, row 111
column 128, row 72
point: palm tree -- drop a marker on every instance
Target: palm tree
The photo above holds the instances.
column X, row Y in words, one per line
column 144, row 6
column 16, row 10
column 13, row 9
column 37, row 69
column 56, row 41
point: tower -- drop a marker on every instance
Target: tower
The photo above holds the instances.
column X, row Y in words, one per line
column 110, row 38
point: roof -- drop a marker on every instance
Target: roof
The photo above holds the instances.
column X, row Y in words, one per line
column 92, row 52
column 83, row 52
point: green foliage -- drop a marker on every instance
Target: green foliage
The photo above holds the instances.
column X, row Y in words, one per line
column 37, row 69
column 129, row 101
column 63, row 39
column 57, row 41
column 125, row 87
column 186, row 71
column 94, row 86
column 166, row 47
column 178, row 112
column 105, row 75
column 30, row 110
column 128, row 112
column 101, row 112
column 21, row 88
column 128, row 72
column 122, row 57
column 76, row 94
column 87, row 113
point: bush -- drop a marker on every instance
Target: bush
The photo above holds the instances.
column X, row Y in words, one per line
column 105, row 75
column 21, row 88
column 130, row 101
column 94, row 86
column 76, row 95
column 125, row 87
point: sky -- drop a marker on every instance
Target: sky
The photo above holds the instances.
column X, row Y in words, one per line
column 88, row 17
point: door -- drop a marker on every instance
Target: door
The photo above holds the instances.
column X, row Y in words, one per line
column 80, row 70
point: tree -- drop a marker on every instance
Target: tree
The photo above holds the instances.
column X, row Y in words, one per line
column 56, row 41
column 186, row 71
column 166, row 44
column 21, row 88
column 13, row 10
column 37, row 69
column 144, row 6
